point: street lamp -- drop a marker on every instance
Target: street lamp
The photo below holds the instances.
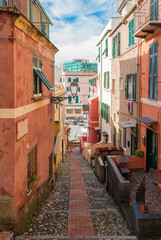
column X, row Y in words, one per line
column 73, row 89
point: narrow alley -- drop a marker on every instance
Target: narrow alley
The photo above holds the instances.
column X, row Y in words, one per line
column 79, row 207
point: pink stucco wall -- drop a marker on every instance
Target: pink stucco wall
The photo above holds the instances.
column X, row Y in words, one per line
column 16, row 71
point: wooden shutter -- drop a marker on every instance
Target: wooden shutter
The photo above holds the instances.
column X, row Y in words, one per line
column 126, row 86
column 76, row 99
column 106, row 54
column 107, row 113
column 113, row 47
column 132, row 32
column 104, row 79
column 129, row 33
column 118, row 43
column 108, row 79
column 102, row 110
column 134, row 86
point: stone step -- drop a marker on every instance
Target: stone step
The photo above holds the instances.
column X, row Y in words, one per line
column 53, row 237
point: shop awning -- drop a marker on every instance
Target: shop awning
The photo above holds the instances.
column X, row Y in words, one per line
column 105, row 134
column 146, row 120
column 43, row 79
column 127, row 124
column 77, row 108
column 97, row 128
column 69, row 107
column 92, row 98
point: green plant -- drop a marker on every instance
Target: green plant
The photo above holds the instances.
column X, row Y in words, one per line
column 139, row 153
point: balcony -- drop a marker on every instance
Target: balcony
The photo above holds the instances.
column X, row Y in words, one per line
column 147, row 18
column 33, row 11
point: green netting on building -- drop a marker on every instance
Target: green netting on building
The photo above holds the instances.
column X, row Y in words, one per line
column 80, row 66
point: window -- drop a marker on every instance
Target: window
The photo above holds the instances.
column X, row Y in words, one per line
column 3, row 3
column 32, row 167
column 107, row 80
column 77, row 79
column 105, row 111
column 69, row 79
column 113, row 47
column 105, row 52
column 124, row 137
column 153, row 71
column 154, row 7
column 50, row 164
column 37, row 84
column 69, row 110
column 77, row 110
column 69, row 99
column 130, row 86
column 131, row 32
column 76, row 99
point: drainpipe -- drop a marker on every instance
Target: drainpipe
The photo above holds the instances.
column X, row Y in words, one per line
column 101, row 82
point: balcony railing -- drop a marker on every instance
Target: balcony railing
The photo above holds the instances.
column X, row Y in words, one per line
column 35, row 11
column 147, row 18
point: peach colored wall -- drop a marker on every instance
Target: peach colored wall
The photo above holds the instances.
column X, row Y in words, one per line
column 147, row 109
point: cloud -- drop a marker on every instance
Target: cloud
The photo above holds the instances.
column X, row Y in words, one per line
column 76, row 26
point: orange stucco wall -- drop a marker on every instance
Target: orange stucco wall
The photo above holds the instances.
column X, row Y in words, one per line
column 93, row 121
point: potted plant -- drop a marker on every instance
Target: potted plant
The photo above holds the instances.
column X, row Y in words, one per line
column 139, row 153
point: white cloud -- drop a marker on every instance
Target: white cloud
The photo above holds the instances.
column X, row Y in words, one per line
column 77, row 38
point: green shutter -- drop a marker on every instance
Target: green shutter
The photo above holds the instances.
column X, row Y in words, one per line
column 108, row 79
column 129, row 33
column 107, row 111
column 118, row 43
column 78, row 89
column 113, row 47
column 69, row 80
column 104, row 111
column 132, row 31
column 77, row 79
column 104, row 80
column 126, row 86
column 67, row 89
column 89, row 89
column 76, row 99
column 134, row 85
column 69, row 99
column 106, row 54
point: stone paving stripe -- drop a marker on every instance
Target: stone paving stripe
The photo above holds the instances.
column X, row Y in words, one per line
column 78, row 174
column 54, row 237
column 77, row 185
column 79, row 205
column 81, row 210
column 81, row 194
column 80, row 223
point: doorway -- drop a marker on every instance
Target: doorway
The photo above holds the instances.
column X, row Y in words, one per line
column 151, row 150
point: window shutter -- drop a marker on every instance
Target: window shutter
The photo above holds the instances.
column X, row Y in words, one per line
column 106, row 47
column 67, row 89
column 104, row 80
column 104, row 112
column 69, row 79
column 113, row 47
column 76, row 99
column 118, row 43
column 129, row 33
column 69, row 99
column 134, row 86
column 99, row 54
column 107, row 111
column 132, row 32
column 126, row 86
column 77, row 79
column 78, row 89
column 108, row 79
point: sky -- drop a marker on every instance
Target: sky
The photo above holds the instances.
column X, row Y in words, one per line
column 76, row 27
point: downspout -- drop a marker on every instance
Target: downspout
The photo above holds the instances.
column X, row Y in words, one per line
column 101, row 84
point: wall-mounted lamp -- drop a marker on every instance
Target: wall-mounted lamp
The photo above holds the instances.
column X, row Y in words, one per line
column 143, row 139
column 73, row 89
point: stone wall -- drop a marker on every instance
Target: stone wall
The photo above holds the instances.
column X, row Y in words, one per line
column 145, row 226
column 116, row 185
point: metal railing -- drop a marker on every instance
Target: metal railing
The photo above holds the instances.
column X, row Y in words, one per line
column 113, row 11
column 146, row 12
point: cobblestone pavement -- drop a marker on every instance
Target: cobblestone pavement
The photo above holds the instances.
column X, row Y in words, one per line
column 79, row 207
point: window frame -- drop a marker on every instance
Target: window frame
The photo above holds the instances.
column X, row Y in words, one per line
column 37, row 83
